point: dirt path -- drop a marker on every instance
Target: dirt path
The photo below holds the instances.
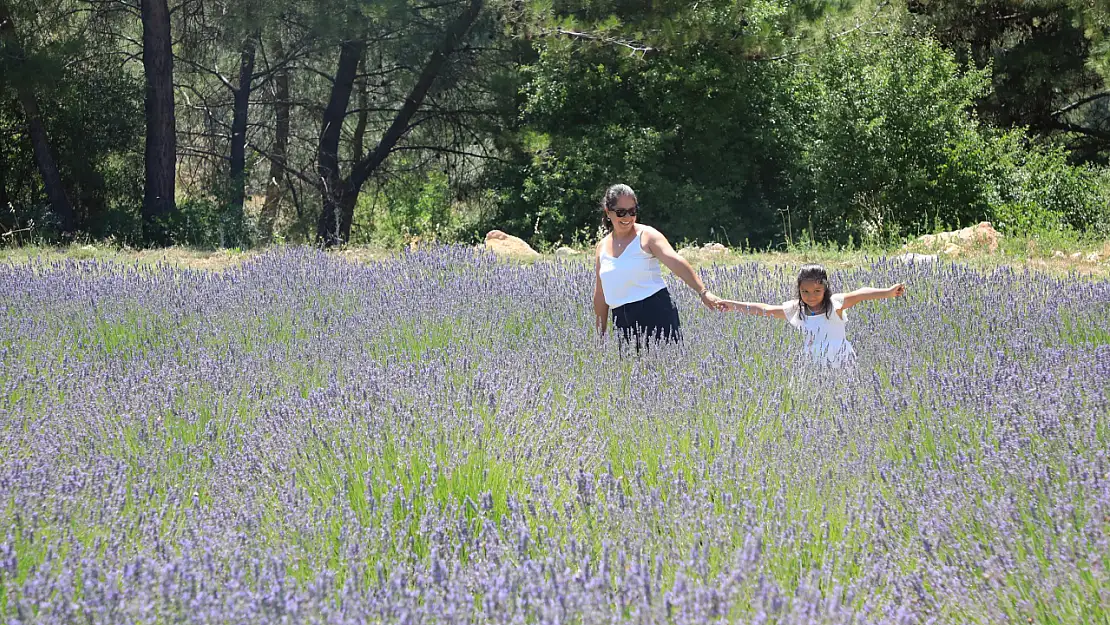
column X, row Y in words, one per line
column 1072, row 261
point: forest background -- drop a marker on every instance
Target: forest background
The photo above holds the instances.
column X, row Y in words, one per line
column 754, row 123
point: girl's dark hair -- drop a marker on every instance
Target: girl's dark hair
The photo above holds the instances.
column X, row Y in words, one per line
column 815, row 273
column 612, row 194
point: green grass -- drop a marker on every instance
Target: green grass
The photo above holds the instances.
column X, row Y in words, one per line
column 1040, row 250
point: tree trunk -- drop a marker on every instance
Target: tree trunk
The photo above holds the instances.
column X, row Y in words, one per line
column 358, row 139
column 159, row 204
column 274, row 187
column 329, row 229
column 400, row 126
column 5, row 201
column 40, row 143
column 242, row 94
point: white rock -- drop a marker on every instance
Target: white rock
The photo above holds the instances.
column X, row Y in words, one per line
column 911, row 258
column 982, row 234
column 507, row 245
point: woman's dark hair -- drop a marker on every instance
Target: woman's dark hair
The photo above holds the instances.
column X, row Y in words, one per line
column 612, row 194
column 815, row 273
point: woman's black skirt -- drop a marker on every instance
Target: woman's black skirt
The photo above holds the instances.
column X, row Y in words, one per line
column 654, row 318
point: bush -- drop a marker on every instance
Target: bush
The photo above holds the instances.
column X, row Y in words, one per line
column 868, row 139
column 705, row 140
column 890, row 146
column 198, row 222
column 94, row 117
column 1039, row 191
column 407, row 209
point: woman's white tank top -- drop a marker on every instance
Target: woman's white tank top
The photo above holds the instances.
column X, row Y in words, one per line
column 633, row 276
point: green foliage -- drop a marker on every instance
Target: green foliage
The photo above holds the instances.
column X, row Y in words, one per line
column 1041, row 56
column 749, row 122
column 889, row 146
column 94, row 121
column 201, row 222
column 1041, row 192
column 123, row 195
column 704, row 140
column 865, row 139
column 408, row 209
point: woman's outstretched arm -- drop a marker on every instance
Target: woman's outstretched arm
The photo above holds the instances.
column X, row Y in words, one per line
column 658, row 246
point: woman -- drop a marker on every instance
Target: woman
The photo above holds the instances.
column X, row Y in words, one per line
column 629, row 280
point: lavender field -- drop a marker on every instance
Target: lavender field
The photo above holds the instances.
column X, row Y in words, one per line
column 441, row 438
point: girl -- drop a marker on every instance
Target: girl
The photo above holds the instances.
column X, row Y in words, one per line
column 819, row 313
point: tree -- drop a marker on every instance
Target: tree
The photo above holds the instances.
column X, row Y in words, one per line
column 1039, row 53
column 339, row 193
column 159, row 201
column 277, row 158
column 16, row 58
column 888, row 142
column 242, row 94
column 223, row 119
column 684, row 101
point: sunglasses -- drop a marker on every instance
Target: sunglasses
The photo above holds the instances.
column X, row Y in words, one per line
column 626, row 212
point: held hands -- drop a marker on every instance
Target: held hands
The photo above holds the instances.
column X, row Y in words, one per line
column 742, row 307
column 728, row 305
column 712, row 302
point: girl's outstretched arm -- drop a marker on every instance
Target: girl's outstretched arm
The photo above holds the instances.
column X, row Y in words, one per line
column 755, row 308
column 866, row 293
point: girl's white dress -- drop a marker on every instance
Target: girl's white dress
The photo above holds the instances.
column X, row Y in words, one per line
column 825, row 335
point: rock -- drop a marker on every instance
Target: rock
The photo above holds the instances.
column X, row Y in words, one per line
column 912, row 258
column 1076, row 255
column 507, row 245
column 982, row 234
column 951, row 250
column 1058, row 254
column 1094, row 257
column 567, row 252
column 692, row 252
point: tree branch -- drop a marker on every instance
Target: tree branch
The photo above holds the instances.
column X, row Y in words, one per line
column 1080, row 102
column 858, row 27
column 284, row 166
column 631, row 45
column 440, row 149
column 188, row 149
column 1090, row 132
column 207, row 70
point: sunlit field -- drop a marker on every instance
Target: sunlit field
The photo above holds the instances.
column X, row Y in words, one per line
column 441, row 437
